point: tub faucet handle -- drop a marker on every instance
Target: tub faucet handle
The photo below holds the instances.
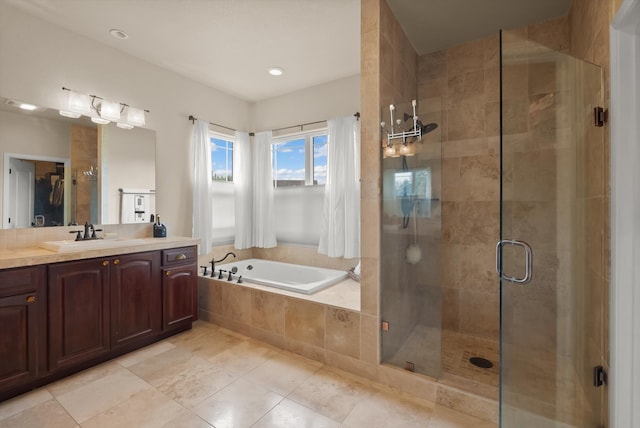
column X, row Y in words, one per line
column 220, row 271
column 204, row 270
column 240, row 280
column 230, row 277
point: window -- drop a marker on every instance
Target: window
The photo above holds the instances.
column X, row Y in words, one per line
column 221, row 158
column 300, row 160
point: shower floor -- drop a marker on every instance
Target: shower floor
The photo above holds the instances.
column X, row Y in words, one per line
column 445, row 356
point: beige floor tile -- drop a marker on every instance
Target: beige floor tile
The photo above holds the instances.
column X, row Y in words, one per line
column 23, row 402
column 92, row 398
column 156, row 367
column 187, row 420
column 330, row 394
column 146, row 409
column 283, row 372
column 192, row 381
column 49, row 414
column 384, row 410
column 244, row 357
column 82, row 378
column 145, row 353
column 443, row 417
column 238, row 405
column 205, row 340
column 291, row 414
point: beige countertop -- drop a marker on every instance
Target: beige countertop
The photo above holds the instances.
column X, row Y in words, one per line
column 37, row 256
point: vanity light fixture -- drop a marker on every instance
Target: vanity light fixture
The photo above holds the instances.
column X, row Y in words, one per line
column 135, row 116
column 100, row 110
column 99, row 120
column 110, row 110
column 276, row 71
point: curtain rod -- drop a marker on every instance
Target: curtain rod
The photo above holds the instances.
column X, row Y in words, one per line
column 356, row 114
column 193, row 120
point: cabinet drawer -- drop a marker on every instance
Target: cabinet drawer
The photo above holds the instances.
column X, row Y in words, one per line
column 178, row 256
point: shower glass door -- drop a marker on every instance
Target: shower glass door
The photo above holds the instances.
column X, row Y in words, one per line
column 410, row 299
column 551, row 255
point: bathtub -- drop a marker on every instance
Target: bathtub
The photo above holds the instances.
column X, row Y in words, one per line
column 286, row 276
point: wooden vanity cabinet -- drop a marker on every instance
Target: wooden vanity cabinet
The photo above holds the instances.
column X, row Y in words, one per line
column 136, row 301
column 23, row 336
column 101, row 304
column 179, row 287
column 79, row 304
column 60, row 318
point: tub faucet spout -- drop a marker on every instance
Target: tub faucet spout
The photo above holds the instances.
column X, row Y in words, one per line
column 225, row 257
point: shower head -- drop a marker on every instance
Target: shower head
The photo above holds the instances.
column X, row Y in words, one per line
column 428, row 127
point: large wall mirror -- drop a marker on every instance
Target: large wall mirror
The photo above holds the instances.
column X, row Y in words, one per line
column 59, row 171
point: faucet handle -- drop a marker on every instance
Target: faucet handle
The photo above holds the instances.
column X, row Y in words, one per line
column 204, row 270
column 78, row 234
column 93, row 235
column 220, row 273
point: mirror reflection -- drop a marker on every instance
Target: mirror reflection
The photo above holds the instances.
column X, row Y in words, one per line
column 60, row 171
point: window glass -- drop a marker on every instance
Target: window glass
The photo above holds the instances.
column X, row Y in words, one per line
column 288, row 163
column 221, row 159
column 320, row 159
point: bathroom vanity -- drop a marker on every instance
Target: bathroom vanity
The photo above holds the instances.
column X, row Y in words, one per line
column 61, row 313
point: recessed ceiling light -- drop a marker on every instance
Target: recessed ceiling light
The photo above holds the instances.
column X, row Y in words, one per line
column 276, row 71
column 118, row 34
column 23, row 106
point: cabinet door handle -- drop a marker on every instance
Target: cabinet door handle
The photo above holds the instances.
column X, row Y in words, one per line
column 181, row 256
column 105, row 263
column 31, row 299
column 168, row 273
column 116, row 262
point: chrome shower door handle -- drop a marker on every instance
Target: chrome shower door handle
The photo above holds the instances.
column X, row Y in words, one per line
column 528, row 253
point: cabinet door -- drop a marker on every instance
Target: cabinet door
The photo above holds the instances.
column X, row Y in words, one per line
column 23, row 336
column 135, row 297
column 179, row 296
column 78, row 312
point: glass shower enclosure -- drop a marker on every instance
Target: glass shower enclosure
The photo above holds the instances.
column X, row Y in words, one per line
column 528, row 202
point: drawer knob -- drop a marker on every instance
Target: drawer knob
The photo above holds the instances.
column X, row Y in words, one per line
column 116, row 262
column 181, row 256
column 31, row 299
column 168, row 273
column 105, row 263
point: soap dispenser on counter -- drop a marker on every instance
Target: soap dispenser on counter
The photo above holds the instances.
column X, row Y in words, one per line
column 159, row 229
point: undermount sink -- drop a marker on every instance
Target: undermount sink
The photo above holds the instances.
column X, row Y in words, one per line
column 70, row 245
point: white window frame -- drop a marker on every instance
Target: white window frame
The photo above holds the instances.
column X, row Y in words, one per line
column 308, row 151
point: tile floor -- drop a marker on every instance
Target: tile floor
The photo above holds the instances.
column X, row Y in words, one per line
column 211, row 377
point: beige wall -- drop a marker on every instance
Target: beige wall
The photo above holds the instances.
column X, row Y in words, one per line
column 49, row 57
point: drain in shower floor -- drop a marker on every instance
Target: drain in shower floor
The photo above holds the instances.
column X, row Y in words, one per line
column 483, row 363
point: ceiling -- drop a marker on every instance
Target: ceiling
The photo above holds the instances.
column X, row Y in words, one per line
column 229, row 44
